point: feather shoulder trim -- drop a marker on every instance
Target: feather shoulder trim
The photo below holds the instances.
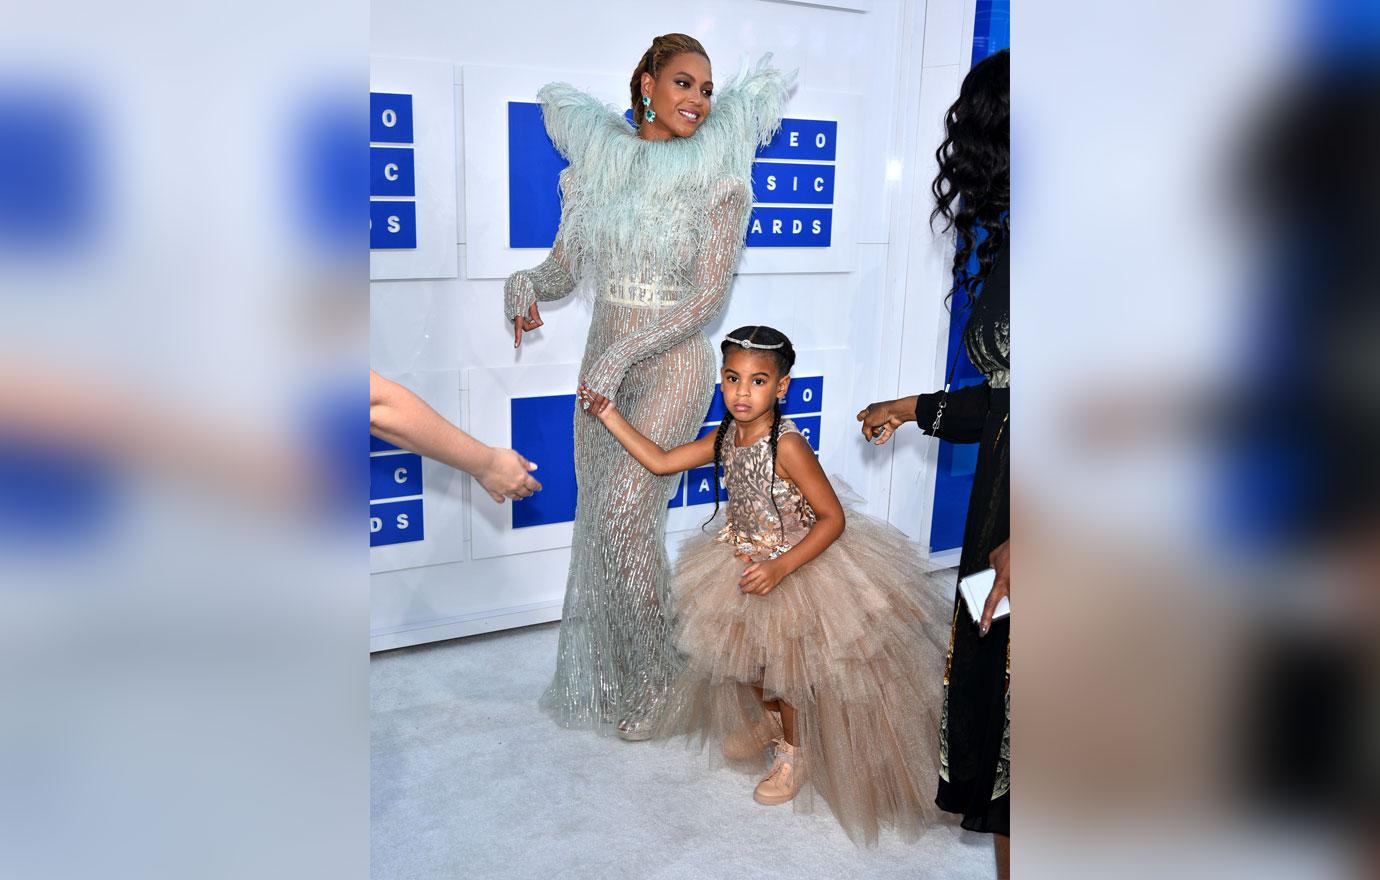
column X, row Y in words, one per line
column 575, row 120
column 637, row 207
column 744, row 115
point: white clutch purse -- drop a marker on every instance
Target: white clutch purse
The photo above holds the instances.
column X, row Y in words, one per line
column 976, row 588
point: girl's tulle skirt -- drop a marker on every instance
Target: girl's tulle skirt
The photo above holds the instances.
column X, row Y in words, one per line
column 853, row 641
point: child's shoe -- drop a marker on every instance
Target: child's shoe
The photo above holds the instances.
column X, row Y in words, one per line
column 748, row 741
column 784, row 781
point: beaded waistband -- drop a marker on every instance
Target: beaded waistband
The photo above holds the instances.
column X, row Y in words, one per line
column 640, row 294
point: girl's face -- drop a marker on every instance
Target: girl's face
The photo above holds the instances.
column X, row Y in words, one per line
column 751, row 382
column 680, row 96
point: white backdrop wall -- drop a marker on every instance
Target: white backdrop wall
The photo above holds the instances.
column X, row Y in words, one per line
column 875, row 330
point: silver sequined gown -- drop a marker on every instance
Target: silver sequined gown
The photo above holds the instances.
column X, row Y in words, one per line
column 652, row 232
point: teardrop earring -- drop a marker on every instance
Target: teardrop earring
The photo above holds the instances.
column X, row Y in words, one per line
column 647, row 112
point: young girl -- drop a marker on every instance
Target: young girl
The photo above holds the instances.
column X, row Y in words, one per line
column 796, row 633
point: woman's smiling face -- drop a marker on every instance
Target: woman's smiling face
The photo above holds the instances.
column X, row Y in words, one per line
column 681, row 95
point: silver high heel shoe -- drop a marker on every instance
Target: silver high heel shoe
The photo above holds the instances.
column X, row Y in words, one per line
column 640, row 724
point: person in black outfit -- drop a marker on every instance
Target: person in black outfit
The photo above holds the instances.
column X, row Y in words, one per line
column 972, row 191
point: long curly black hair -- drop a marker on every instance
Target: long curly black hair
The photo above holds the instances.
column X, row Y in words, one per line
column 975, row 170
column 785, row 359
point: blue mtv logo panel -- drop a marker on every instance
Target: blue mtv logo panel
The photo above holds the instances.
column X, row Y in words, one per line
column 50, row 182
column 810, row 139
column 392, row 172
column 700, row 486
column 390, row 118
column 392, row 225
column 543, row 431
column 534, row 170
column 328, row 167
column 377, row 445
column 790, row 227
column 806, row 395
column 793, row 183
column 394, row 476
column 50, row 495
column 395, row 522
column 809, row 426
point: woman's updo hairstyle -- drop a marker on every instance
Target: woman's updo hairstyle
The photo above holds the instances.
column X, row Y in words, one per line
column 663, row 49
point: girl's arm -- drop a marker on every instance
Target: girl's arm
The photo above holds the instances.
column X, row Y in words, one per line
column 796, row 461
column 651, row 456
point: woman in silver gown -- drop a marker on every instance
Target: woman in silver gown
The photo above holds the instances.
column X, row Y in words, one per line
column 653, row 219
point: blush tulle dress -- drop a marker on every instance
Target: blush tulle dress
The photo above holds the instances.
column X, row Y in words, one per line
column 852, row 640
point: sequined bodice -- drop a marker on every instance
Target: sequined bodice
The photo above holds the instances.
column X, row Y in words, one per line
column 765, row 518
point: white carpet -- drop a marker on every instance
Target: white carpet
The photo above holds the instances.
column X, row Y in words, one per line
column 471, row 780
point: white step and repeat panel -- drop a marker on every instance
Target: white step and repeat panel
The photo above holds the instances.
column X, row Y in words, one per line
column 416, row 506
column 463, row 192
column 412, row 163
column 804, row 220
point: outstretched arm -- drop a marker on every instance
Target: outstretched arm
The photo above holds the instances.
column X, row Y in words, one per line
column 651, row 456
column 965, row 413
column 796, row 461
column 404, row 419
column 713, row 276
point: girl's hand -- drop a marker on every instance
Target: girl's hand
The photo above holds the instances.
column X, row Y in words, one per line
column 524, row 323
column 594, row 403
column 880, row 421
column 1001, row 588
column 761, row 578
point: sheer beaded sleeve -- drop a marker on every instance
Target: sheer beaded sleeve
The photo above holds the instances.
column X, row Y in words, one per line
column 713, row 275
column 547, row 281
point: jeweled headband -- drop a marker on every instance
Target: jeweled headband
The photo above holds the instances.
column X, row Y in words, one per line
column 748, row 343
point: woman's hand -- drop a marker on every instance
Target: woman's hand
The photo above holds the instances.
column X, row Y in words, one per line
column 524, row 323
column 594, row 403
column 1000, row 559
column 760, row 578
column 880, row 420
column 507, row 475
